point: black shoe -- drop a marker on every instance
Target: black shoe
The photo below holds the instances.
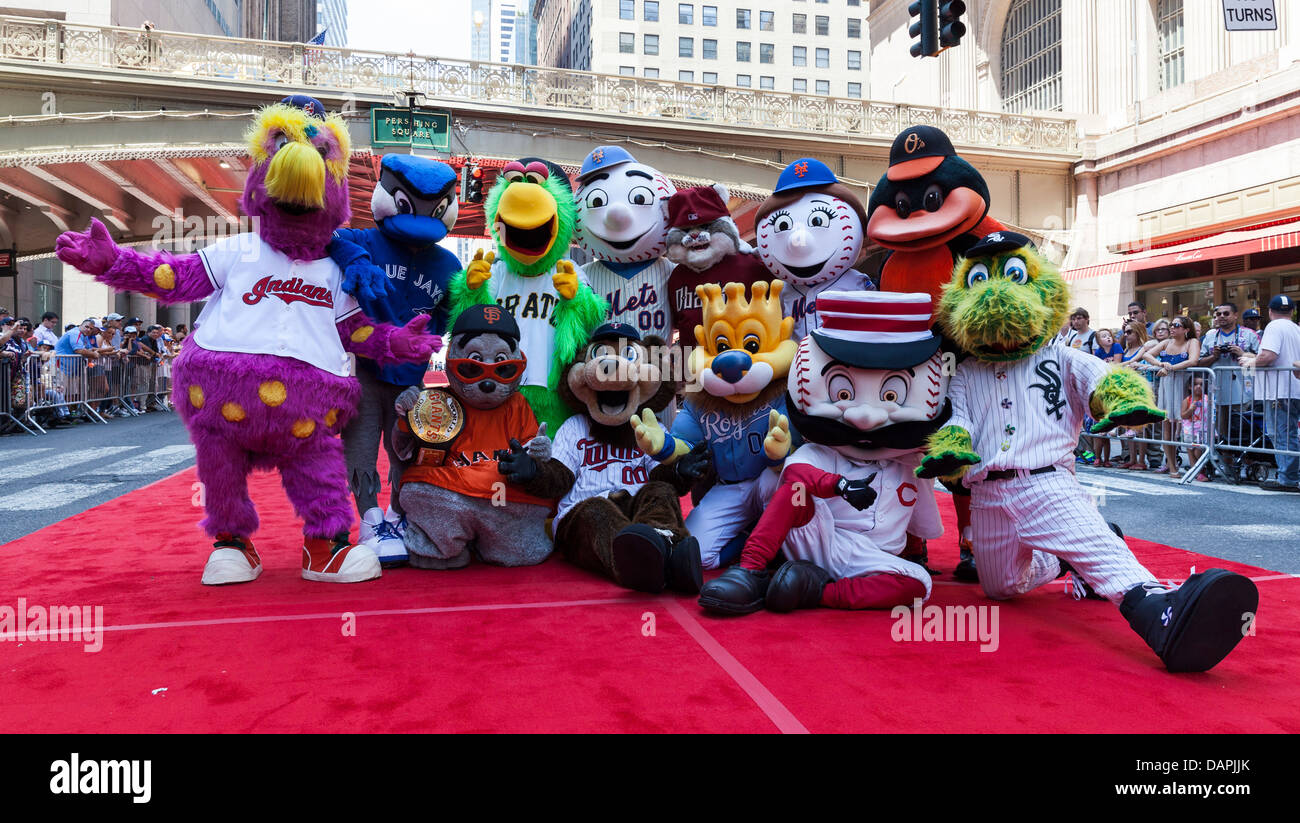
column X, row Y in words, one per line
column 966, row 571
column 1274, row 486
column 685, row 570
column 1115, row 528
column 1082, row 591
column 1195, row 626
column 921, row 558
column 736, row 591
column 796, row 585
column 641, row 558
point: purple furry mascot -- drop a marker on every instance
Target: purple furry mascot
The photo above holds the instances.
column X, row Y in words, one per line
column 266, row 379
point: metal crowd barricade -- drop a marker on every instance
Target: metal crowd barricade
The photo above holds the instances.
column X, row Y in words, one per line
column 61, row 382
column 1249, row 435
column 11, row 374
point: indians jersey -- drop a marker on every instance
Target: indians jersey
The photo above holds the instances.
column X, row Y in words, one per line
column 266, row 303
column 800, row 301
column 598, row 468
column 532, row 301
column 1026, row 414
column 637, row 293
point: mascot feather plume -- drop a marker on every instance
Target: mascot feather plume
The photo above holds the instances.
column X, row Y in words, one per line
column 266, row 380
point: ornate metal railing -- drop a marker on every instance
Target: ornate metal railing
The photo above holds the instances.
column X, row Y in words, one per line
column 343, row 71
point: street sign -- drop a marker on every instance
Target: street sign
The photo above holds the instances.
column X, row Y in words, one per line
column 1249, row 15
column 393, row 127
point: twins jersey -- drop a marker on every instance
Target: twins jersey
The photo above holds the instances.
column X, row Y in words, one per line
column 800, row 301
column 598, row 468
column 266, row 303
column 1026, row 414
column 532, row 301
column 737, row 446
column 637, row 293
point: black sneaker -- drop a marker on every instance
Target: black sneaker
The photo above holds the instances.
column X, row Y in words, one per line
column 736, row 591
column 796, row 585
column 1194, row 626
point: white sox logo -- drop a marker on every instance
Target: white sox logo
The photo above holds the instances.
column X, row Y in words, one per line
column 1050, row 371
column 290, row 291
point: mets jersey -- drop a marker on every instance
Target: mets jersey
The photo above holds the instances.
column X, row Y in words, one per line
column 637, row 293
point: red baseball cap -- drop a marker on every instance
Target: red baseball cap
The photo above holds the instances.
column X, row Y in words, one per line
column 695, row 206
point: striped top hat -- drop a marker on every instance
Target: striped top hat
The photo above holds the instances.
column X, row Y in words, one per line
column 876, row 329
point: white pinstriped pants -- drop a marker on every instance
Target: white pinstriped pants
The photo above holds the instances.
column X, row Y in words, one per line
column 1021, row 525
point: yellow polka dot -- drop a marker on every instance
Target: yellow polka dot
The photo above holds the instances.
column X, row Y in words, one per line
column 196, row 396
column 164, row 277
column 360, row 335
column 331, row 417
column 272, row 392
column 233, row 412
column 303, row 428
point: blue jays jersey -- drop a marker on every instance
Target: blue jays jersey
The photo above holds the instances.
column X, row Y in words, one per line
column 737, row 445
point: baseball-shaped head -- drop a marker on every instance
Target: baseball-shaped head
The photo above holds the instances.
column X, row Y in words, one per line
column 618, row 374
column 414, row 201
column 744, row 344
column 622, row 207
column 810, row 230
column 484, row 363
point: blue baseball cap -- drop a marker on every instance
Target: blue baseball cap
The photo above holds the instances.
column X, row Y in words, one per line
column 804, row 172
column 428, row 178
column 604, row 157
column 615, row 331
column 1281, row 303
column 307, row 103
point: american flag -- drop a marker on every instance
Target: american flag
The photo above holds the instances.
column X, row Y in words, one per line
column 319, row 40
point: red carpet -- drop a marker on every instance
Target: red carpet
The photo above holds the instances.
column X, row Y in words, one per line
column 554, row 649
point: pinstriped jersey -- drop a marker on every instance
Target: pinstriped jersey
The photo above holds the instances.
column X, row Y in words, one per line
column 1026, row 414
column 639, row 299
column 800, row 301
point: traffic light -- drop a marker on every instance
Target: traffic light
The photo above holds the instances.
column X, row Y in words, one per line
column 464, row 182
column 474, row 189
column 925, row 29
column 951, row 28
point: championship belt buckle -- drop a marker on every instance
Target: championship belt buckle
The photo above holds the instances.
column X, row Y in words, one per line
column 436, row 419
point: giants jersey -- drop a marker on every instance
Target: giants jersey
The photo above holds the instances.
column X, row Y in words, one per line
column 800, row 301
column 598, row 468
column 638, row 297
column 1026, row 414
column 532, row 301
column 266, row 303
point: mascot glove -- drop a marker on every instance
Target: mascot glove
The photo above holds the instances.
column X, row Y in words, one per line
column 410, row 344
column 480, row 269
column 565, row 280
column 857, row 493
column 365, row 281
column 406, row 401
column 516, row 464
column 650, row 436
column 692, row 465
column 1132, row 415
column 539, row 448
column 777, row 443
column 93, row 252
column 950, row 453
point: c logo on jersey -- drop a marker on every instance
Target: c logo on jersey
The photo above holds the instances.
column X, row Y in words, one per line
column 909, row 500
column 1050, row 371
column 290, row 291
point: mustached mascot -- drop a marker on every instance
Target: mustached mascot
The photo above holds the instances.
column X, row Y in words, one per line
column 414, row 205
column 865, row 392
column 809, row 235
column 264, row 382
column 531, row 213
column 623, row 222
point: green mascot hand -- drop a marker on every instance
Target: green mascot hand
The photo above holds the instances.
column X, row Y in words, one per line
column 1130, row 415
column 1122, row 398
column 949, row 454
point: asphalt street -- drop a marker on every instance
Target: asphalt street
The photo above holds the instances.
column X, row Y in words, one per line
column 46, row 479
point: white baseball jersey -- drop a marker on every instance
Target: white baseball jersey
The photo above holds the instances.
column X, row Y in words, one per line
column 1026, row 414
column 800, row 301
column 1282, row 337
column 640, row 300
column 266, row 303
column 598, row 468
column 532, row 301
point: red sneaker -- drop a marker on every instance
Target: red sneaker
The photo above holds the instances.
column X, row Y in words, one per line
column 233, row 560
column 338, row 560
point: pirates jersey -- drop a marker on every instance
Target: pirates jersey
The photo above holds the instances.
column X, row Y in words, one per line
column 532, row 301
column 637, row 293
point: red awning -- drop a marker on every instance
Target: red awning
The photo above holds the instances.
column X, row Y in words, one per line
column 1227, row 244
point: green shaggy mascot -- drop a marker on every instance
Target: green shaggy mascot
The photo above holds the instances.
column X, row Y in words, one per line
column 1018, row 404
column 531, row 214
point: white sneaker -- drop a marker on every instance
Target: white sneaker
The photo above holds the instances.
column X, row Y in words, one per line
column 369, row 523
column 335, row 561
column 390, row 543
column 233, row 560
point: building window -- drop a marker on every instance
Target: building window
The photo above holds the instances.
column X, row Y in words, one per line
column 1031, row 56
column 653, row 74
column 650, row 12
column 710, row 50
column 823, row 87
column 801, row 55
column 627, row 71
column 685, row 13
column 711, row 77
column 626, row 42
column 742, row 18
column 766, row 21
column 855, row 28
column 800, row 86
column 684, row 76
column 855, row 91
column 742, row 52
column 855, row 3
column 626, row 9
column 1169, row 30
column 855, row 60
column 766, row 53
column 651, row 44
column 710, row 16
column 768, row 83
column 823, row 26
column 742, row 80
column 823, row 58
column 801, row 24
column 685, row 47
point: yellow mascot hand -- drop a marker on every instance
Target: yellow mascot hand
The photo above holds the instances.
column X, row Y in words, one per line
column 565, row 279
column 649, row 434
column 480, row 269
column 777, row 443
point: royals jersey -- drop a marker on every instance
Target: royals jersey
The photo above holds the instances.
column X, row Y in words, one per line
column 637, row 293
column 266, row 303
column 532, row 301
column 800, row 301
column 1026, row 414
column 598, row 468
column 737, row 445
